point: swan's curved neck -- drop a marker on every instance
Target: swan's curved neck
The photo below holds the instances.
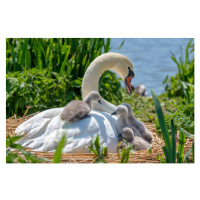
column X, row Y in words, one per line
column 91, row 80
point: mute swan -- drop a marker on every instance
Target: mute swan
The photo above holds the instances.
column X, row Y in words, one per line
column 77, row 110
column 137, row 142
column 43, row 131
column 122, row 122
column 146, row 134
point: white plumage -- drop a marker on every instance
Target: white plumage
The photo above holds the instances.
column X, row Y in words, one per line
column 78, row 134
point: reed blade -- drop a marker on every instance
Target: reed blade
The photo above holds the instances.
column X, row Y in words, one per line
column 162, row 123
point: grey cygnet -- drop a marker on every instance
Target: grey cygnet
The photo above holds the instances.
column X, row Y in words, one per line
column 138, row 143
column 77, row 110
column 122, row 122
column 146, row 134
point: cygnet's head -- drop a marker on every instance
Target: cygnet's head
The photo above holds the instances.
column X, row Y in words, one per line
column 94, row 96
column 121, row 110
column 127, row 133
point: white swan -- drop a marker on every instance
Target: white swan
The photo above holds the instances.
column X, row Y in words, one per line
column 44, row 131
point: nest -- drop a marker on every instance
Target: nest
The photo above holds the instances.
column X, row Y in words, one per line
column 143, row 156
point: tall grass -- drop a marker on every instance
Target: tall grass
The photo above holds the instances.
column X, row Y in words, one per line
column 64, row 56
column 47, row 73
column 185, row 66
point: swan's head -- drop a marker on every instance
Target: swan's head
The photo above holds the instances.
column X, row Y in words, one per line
column 124, row 68
column 121, row 110
column 94, row 96
column 127, row 133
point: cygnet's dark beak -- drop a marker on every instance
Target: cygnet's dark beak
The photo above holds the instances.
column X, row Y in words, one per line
column 99, row 101
column 120, row 135
column 114, row 113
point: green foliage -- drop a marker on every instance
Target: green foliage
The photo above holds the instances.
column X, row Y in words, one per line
column 112, row 94
column 182, row 112
column 15, row 153
column 170, row 141
column 126, row 152
column 48, row 72
column 180, row 156
column 99, row 150
column 58, row 153
column 125, row 155
column 11, row 86
column 185, row 73
column 150, row 150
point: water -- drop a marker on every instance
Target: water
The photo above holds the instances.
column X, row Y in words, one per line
column 151, row 58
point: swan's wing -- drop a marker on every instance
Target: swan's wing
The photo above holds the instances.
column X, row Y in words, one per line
column 37, row 123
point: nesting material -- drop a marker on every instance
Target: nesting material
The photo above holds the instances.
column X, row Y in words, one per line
column 142, row 156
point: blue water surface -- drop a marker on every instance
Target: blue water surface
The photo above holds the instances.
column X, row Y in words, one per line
column 151, row 58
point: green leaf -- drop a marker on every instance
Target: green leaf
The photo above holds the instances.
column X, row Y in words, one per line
column 193, row 151
column 123, row 155
column 150, row 150
column 187, row 154
column 127, row 155
column 187, row 159
column 11, row 86
column 97, row 143
column 167, row 155
column 93, row 140
column 121, row 45
column 181, row 147
column 165, row 79
column 76, row 83
column 105, row 151
column 58, row 153
column 186, row 133
column 107, row 46
column 173, row 141
column 162, row 123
